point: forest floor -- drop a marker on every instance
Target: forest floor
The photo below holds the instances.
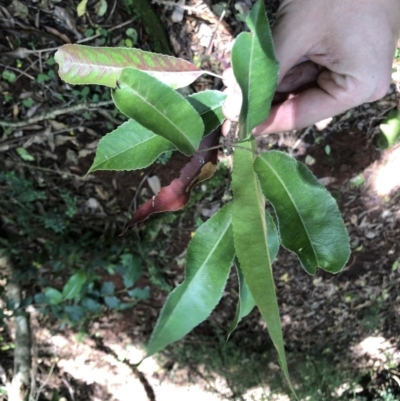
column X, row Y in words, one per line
column 342, row 332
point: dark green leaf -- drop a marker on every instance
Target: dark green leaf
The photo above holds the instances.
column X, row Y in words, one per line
column 112, row 302
column 209, row 105
column 273, row 239
column 310, row 223
column 246, row 301
column 107, row 288
column 91, row 305
column 75, row 312
column 209, row 258
column 250, row 235
column 159, row 108
column 129, row 147
column 256, row 70
column 127, row 305
column 41, row 298
column 54, row 296
column 141, row 293
column 132, row 269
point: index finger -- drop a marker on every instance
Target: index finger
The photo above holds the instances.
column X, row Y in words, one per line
column 334, row 95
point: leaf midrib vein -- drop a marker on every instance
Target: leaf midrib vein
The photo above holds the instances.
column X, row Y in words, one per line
column 163, row 115
column 295, row 206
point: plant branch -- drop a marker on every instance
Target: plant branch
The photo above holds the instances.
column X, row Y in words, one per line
column 22, row 53
column 121, row 25
column 51, row 114
column 43, row 385
column 47, row 170
column 17, row 70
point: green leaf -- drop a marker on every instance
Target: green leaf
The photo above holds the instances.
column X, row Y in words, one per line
column 246, row 301
column 209, row 105
column 273, row 239
column 141, row 293
column 54, row 296
column 74, row 285
column 25, row 155
column 250, row 238
column 132, row 269
column 41, row 298
column 112, row 302
column 91, row 305
column 256, row 70
column 159, row 108
column 310, row 223
column 103, row 65
column 9, row 76
column 75, row 312
column 28, row 103
column 81, row 8
column 390, row 130
column 209, row 258
column 107, row 288
column 42, row 78
column 129, row 147
column 101, row 8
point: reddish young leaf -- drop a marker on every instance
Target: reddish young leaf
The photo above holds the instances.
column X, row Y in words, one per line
column 103, row 65
column 176, row 195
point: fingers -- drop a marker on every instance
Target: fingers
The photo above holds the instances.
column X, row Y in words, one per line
column 291, row 43
column 233, row 103
column 298, row 76
column 331, row 57
column 228, row 78
column 334, row 95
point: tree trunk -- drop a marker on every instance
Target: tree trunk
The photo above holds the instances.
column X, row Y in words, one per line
column 18, row 389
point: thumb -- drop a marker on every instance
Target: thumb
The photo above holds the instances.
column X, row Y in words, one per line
column 291, row 45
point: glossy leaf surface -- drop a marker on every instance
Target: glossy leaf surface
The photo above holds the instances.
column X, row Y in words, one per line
column 103, row 65
column 209, row 105
column 250, row 238
column 159, row 108
column 256, row 70
column 176, row 195
column 310, row 223
column 209, row 258
column 129, row 147
column 246, row 301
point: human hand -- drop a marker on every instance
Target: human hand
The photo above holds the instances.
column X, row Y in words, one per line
column 333, row 55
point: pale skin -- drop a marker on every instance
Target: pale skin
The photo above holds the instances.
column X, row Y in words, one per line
column 333, row 55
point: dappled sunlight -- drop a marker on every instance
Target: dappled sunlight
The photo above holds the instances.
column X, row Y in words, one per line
column 81, row 360
column 387, row 175
column 85, row 363
column 260, row 393
column 378, row 351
